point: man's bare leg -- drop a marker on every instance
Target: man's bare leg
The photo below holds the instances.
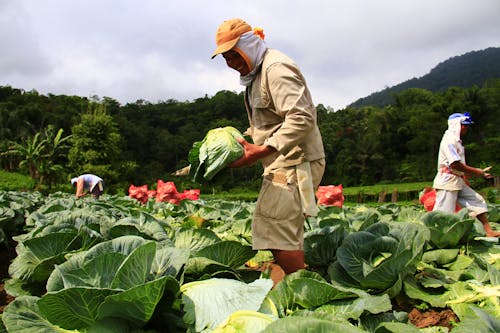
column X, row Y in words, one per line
column 487, row 227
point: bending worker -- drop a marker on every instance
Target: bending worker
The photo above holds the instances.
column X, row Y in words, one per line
column 88, row 183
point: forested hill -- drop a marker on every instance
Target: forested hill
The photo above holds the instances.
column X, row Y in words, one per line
column 467, row 70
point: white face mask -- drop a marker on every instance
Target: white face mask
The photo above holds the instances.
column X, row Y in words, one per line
column 454, row 126
column 254, row 48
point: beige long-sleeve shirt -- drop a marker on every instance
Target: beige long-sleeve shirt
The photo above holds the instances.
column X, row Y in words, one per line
column 281, row 113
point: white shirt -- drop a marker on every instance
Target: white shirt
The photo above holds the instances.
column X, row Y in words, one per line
column 450, row 150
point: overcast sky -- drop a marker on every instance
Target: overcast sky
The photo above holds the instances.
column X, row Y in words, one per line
column 157, row 50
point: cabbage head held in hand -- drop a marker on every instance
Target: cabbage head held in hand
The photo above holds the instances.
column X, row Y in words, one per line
column 217, row 150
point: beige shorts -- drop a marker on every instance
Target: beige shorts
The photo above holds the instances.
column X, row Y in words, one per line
column 278, row 221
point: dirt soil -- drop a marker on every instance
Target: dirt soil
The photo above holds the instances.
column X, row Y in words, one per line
column 444, row 317
column 426, row 318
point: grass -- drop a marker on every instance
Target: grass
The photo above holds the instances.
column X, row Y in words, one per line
column 407, row 192
column 388, row 188
column 11, row 181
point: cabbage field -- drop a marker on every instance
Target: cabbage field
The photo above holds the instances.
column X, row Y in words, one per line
column 119, row 265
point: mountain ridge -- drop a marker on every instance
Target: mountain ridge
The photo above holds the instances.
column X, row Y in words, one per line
column 466, row 70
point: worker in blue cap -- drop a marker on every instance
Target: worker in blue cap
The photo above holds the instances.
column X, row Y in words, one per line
column 451, row 183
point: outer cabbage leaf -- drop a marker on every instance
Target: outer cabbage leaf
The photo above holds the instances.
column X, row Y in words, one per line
column 353, row 308
column 168, row 261
column 230, row 253
column 388, row 327
column 371, row 322
column 23, row 316
column 144, row 225
column 477, row 320
column 136, row 304
column 73, row 308
column 194, row 239
column 224, row 256
column 217, row 150
column 209, row 302
column 440, row 256
column 106, row 265
column 282, row 298
column 37, row 256
column 311, row 291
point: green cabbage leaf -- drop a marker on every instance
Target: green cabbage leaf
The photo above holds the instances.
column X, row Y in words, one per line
column 217, row 150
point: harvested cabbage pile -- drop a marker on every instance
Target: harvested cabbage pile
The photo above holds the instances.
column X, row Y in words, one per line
column 216, row 151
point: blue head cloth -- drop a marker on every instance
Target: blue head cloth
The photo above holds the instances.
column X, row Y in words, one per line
column 466, row 115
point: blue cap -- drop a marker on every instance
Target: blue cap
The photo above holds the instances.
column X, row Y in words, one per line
column 467, row 121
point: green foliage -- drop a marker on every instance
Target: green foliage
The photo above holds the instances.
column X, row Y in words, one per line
column 52, row 166
column 30, row 154
column 13, row 181
column 139, row 143
column 492, row 195
column 95, row 144
column 41, row 155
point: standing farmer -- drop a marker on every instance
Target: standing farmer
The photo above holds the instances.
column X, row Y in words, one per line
column 285, row 138
column 450, row 182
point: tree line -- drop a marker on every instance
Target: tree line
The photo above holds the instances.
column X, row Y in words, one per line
column 55, row 137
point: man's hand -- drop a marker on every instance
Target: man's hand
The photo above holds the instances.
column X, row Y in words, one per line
column 486, row 174
column 252, row 153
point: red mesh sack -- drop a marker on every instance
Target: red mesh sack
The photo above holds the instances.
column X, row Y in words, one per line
column 428, row 199
column 330, row 195
column 193, row 194
column 138, row 192
column 167, row 192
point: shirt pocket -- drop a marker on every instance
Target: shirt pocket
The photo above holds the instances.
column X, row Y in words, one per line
column 263, row 114
column 279, row 201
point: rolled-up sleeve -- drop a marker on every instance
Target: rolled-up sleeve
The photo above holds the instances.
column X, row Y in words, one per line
column 451, row 154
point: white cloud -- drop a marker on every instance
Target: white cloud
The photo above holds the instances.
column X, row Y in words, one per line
column 158, row 50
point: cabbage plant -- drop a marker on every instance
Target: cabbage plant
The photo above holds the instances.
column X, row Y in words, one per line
column 217, row 150
column 378, row 258
column 449, row 230
column 124, row 278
